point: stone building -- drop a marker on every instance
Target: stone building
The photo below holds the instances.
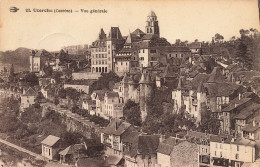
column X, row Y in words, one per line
column 185, row 154
column 104, row 49
column 146, row 93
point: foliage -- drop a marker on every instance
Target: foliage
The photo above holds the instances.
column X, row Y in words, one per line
column 103, row 81
column 31, row 115
column 69, row 138
column 209, row 122
column 93, row 118
column 31, row 79
column 132, row 113
column 56, row 101
column 57, row 76
column 11, row 73
column 47, row 70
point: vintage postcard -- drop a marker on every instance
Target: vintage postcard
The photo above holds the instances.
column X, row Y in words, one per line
column 131, row 83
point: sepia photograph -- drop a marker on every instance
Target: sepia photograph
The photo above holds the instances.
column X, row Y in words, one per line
column 131, row 83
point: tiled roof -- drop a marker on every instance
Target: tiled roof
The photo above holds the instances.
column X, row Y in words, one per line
column 221, row 138
column 250, row 128
column 235, row 103
column 195, row 45
column 221, row 89
column 50, row 140
column 243, row 115
column 148, row 144
column 72, row 149
column 216, row 76
column 116, row 127
column 246, row 112
column 244, row 142
column 112, row 94
column 176, row 49
column 149, row 36
column 30, row 92
column 138, row 31
column 165, row 148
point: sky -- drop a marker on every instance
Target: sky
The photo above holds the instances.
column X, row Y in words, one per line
column 178, row 19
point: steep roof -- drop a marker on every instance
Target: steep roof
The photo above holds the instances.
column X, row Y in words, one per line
column 168, row 72
column 72, row 149
column 115, row 33
column 216, row 76
column 138, row 31
column 250, row 128
column 50, row 140
column 180, row 84
column 195, row 45
column 101, row 35
column 30, row 92
column 235, row 103
column 116, row 127
column 112, row 94
column 152, row 13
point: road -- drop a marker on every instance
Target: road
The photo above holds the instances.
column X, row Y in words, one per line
column 37, row 156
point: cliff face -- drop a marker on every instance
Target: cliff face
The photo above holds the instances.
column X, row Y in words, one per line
column 19, row 58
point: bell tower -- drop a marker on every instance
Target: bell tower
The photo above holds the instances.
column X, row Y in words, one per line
column 152, row 26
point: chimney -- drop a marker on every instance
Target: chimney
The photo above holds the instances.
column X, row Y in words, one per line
column 239, row 96
column 162, row 138
column 253, row 123
column 116, row 125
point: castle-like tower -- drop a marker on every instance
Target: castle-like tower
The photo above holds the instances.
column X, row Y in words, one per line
column 152, row 26
column 202, row 100
column 146, row 94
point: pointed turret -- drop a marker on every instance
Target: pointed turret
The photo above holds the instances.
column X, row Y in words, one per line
column 201, row 88
column 180, row 84
column 129, row 39
column 125, row 79
column 102, row 34
column 148, row 78
column 143, row 79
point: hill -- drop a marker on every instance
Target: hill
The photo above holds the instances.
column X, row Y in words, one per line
column 19, row 58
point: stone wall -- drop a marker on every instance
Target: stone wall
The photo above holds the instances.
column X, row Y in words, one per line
column 87, row 129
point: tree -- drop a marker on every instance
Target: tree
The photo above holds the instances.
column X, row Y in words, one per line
column 218, row 37
column 57, row 76
column 11, row 73
column 47, row 70
column 209, row 122
column 103, row 81
column 56, row 101
column 31, row 79
column 132, row 113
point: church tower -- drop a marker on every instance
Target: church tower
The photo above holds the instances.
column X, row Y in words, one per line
column 152, row 26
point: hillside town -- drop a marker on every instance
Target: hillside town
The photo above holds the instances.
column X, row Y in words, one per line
column 137, row 100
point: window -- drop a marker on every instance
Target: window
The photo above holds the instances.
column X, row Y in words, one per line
column 153, row 51
column 237, row 147
column 49, row 152
column 237, row 156
column 215, row 153
column 216, row 145
column 221, row 154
